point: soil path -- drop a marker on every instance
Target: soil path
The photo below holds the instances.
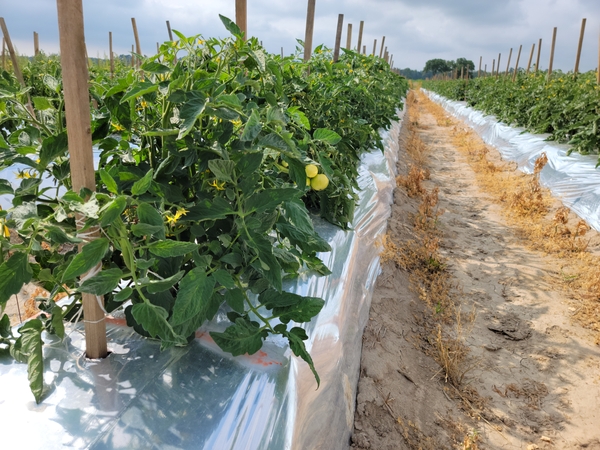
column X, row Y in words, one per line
column 525, row 375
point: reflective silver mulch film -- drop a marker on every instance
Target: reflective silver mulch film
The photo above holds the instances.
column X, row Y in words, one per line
column 572, row 178
column 198, row 397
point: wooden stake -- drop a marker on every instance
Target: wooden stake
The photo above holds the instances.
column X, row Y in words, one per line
column 132, row 55
column 498, row 67
column 508, row 64
column 241, row 16
column 530, row 57
column 138, row 47
column 360, row 35
column 374, row 47
column 479, row 71
column 338, row 38
column 169, row 31
column 111, row 57
column 282, row 52
column 11, row 52
column 364, row 50
column 598, row 68
column 349, row 37
column 77, row 113
column 581, row 33
column 36, row 43
column 485, row 71
column 382, row 44
column 308, row 35
column 552, row 53
column 517, row 63
column 493, row 67
column 537, row 61
column 3, row 54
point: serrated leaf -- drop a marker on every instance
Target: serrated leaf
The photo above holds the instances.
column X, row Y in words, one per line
column 241, row 338
column 303, row 311
column 193, row 301
column 154, row 320
column 249, row 163
column 31, row 348
column 224, row 278
column 41, row 103
column 142, row 185
column 104, row 282
column 270, row 198
column 223, row 170
column 155, row 67
column 123, row 294
column 58, row 236
column 296, row 337
column 189, row 113
column 113, row 210
column 144, row 229
column 328, row 136
column 148, row 214
column 231, row 26
column 235, row 299
column 57, row 321
column 53, row 147
column 252, row 128
column 139, row 89
column 109, row 181
column 155, row 286
column 219, row 208
column 5, row 331
column 91, row 254
column 144, row 264
column 271, row 299
column 169, row 249
column 14, row 273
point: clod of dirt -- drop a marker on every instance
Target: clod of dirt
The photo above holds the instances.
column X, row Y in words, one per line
column 511, row 327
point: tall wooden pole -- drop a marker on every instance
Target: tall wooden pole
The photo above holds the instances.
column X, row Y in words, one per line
column 517, row 63
column 479, row 71
column 537, row 61
column 138, row 47
column 241, row 16
column 485, row 70
column 493, row 66
column 598, row 68
column 498, row 66
column 112, row 59
column 338, row 38
column 581, row 33
column 36, row 43
column 552, row 53
column 3, row 54
column 382, row 44
column 349, row 37
column 360, row 35
column 508, row 63
column 308, row 35
column 169, row 31
column 364, row 50
column 530, row 57
column 374, row 46
column 77, row 113
column 132, row 55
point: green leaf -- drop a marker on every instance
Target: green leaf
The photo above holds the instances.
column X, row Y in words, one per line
column 57, row 321
column 123, row 294
column 270, row 198
column 113, row 210
column 41, row 103
column 297, row 214
column 272, row 299
column 189, row 113
column 193, row 301
column 219, row 208
column 138, row 89
column 154, row 320
column 52, row 147
column 104, row 282
column 309, row 242
column 91, row 254
column 224, row 278
column 148, row 214
column 269, row 266
column 303, row 311
column 249, row 163
column 231, row 26
column 154, row 67
column 235, row 299
column 230, row 100
column 31, row 348
column 144, row 229
column 296, row 337
column 243, row 337
column 223, row 170
column 14, row 273
column 327, row 136
column 142, row 185
column 169, row 249
column 252, row 127
column 58, row 236
column 109, row 181
column 5, row 187
column 155, row 286
column 5, row 331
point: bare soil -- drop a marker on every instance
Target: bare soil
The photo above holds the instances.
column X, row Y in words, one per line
column 483, row 331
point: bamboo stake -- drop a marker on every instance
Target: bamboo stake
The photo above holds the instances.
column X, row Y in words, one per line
column 241, row 16
column 479, row 71
column 349, row 37
column 36, row 44
column 576, row 70
column 308, row 35
column 374, row 47
column 338, row 38
column 517, row 63
column 381, row 50
column 360, row 35
column 552, row 53
column 169, row 31
column 508, row 64
column 110, row 51
column 537, row 61
column 530, row 57
column 77, row 109
column 137, row 41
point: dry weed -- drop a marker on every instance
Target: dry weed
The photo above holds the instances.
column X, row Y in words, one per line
column 412, row 181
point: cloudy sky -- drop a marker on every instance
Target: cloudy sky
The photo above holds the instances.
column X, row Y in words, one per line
column 415, row 31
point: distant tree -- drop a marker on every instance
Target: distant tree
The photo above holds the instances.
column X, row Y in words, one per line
column 437, row 65
column 464, row 64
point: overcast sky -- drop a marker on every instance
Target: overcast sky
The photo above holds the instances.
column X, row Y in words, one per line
column 415, row 31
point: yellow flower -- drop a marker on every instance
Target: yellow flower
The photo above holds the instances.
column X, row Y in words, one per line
column 236, row 122
column 219, row 186
column 143, row 104
column 173, row 218
column 117, row 126
column 23, row 174
column 200, row 42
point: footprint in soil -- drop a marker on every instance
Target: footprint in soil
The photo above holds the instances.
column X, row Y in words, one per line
column 511, row 327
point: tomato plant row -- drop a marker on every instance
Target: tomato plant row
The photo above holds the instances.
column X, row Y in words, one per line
column 566, row 106
column 202, row 195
